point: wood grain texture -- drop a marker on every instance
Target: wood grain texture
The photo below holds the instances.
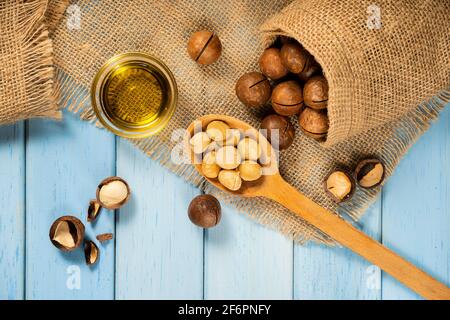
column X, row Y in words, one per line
column 159, row 251
column 321, row 272
column 353, row 238
column 12, row 212
column 416, row 208
column 65, row 162
column 244, row 260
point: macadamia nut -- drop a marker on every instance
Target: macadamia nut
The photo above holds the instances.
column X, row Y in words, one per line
column 249, row 149
column 230, row 179
column 250, row 170
column 228, row 157
column 199, row 142
column 218, row 130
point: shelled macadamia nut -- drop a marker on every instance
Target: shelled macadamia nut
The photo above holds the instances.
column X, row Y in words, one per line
column 209, row 166
column 228, row 157
column 314, row 123
column 294, row 57
column 280, row 128
column 339, row 186
column 250, row 170
column 204, row 47
column 249, row 149
column 67, row 233
column 315, row 92
column 91, row 252
column 287, row 98
column 230, row 179
column 233, row 138
column 270, row 64
column 253, row 89
column 218, row 131
column 200, row 142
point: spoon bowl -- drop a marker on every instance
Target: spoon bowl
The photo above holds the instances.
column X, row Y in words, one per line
column 248, row 188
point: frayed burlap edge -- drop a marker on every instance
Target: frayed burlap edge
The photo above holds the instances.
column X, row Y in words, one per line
column 55, row 11
column 38, row 81
column 408, row 129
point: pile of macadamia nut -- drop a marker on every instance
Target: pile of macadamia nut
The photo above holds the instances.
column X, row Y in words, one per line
column 229, row 155
column 293, row 81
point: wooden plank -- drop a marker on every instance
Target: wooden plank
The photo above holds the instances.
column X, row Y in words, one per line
column 12, row 211
column 337, row 273
column 416, row 208
column 65, row 162
column 159, row 251
column 244, row 260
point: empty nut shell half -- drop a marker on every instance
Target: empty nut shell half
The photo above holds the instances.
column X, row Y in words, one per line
column 369, row 173
column 113, row 192
column 67, row 233
column 94, row 210
column 339, row 185
column 91, row 252
column 104, row 237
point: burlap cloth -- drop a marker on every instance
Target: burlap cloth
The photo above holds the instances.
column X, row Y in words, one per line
column 26, row 62
column 386, row 85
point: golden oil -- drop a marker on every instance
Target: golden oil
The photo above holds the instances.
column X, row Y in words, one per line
column 134, row 95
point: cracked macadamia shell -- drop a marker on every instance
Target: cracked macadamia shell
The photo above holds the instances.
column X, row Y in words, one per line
column 339, row 186
column 369, row 173
column 113, row 192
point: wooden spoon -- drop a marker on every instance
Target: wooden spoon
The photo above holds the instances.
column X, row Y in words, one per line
column 277, row 189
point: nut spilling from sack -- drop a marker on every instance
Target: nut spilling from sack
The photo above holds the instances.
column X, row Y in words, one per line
column 294, row 82
column 229, row 155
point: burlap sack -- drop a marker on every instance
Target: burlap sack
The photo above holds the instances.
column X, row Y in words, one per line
column 381, row 112
column 26, row 62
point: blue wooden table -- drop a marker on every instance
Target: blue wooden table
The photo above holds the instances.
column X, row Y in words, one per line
column 49, row 169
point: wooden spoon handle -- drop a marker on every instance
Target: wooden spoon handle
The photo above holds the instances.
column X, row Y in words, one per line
column 352, row 238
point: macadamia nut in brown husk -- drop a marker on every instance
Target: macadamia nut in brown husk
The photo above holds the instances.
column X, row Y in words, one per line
column 253, row 89
column 287, row 98
column 270, row 64
column 204, row 47
column 315, row 92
